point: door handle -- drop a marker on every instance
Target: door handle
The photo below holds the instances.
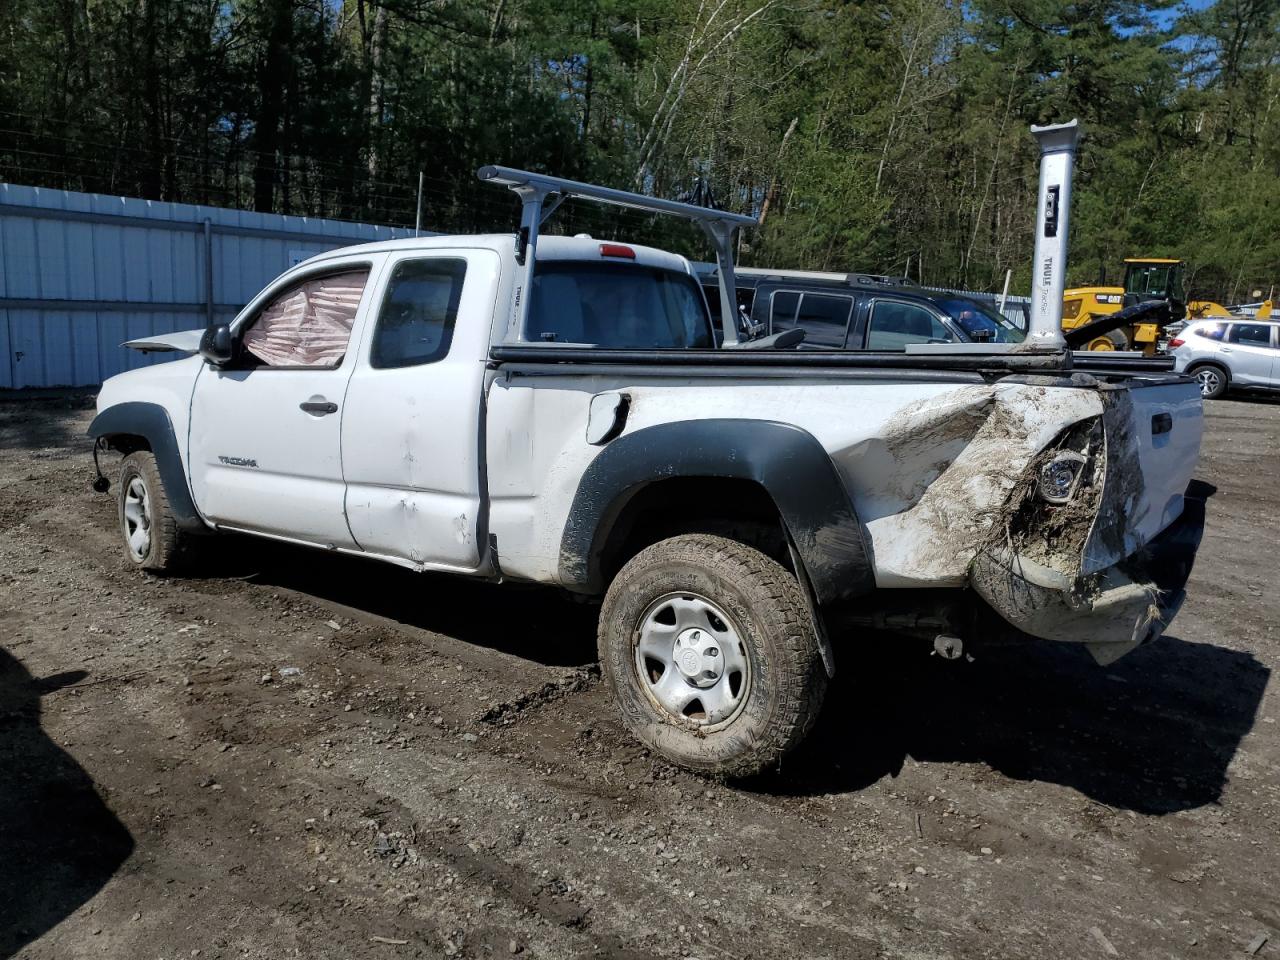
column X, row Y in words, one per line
column 1225, row 350
column 318, row 406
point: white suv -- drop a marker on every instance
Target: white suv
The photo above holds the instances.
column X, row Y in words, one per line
column 1229, row 354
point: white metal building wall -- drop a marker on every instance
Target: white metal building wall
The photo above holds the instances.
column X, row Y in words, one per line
column 81, row 273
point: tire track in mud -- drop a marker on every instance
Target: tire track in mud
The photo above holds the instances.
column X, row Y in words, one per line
column 243, row 603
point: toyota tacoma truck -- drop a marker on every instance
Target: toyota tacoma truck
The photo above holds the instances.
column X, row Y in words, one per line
column 555, row 410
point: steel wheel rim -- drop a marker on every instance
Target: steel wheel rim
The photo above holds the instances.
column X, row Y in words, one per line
column 1208, row 380
column 136, row 517
column 691, row 661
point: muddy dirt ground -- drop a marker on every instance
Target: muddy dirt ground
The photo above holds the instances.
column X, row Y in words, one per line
column 306, row 756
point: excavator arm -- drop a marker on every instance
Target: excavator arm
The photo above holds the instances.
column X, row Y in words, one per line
column 1153, row 311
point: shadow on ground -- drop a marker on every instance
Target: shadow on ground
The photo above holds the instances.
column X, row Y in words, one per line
column 59, row 844
column 536, row 623
column 47, row 424
column 1153, row 733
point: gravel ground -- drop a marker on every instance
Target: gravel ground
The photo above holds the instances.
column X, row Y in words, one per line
column 308, row 756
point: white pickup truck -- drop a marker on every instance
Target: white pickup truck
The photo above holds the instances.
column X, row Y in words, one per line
column 555, row 411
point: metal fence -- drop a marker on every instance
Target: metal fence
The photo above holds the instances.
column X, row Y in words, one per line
column 81, row 273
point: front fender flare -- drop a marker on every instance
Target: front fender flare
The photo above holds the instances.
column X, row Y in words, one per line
column 151, row 422
column 788, row 462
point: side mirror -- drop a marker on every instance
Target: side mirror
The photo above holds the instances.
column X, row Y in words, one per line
column 216, row 345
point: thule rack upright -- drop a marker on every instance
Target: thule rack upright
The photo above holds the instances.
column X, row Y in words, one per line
column 541, row 195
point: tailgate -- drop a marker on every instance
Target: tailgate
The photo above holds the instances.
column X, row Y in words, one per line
column 1152, row 428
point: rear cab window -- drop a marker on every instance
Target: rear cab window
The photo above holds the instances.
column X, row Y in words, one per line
column 618, row 306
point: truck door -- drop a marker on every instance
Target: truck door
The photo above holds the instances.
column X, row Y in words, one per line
column 412, row 429
column 264, row 445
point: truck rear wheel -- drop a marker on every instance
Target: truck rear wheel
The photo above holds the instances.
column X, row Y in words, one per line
column 710, row 652
column 152, row 538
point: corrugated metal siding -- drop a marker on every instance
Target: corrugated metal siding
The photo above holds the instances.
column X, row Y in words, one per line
column 82, row 273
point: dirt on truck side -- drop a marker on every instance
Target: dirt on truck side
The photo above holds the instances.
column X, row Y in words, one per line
column 295, row 754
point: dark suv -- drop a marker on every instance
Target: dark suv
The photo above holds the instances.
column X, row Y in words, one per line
column 858, row 311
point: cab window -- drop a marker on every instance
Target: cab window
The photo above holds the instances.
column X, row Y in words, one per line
column 981, row 323
column 1250, row 334
column 308, row 324
column 825, row 319
column 895, row 324
column 415, row 324
column 782, row 310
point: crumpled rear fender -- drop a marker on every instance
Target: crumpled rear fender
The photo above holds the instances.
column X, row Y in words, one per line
column 1111, row 612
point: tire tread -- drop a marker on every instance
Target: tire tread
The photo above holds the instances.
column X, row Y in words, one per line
column 170, row 546
column 782, row 611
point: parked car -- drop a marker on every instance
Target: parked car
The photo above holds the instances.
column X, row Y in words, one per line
column 1227, row 355
column 860, row 311
column 554, row 411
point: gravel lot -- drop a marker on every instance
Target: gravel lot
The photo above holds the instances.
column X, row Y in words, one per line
column 306, row 756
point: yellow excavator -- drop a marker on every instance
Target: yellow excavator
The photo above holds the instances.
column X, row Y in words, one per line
column 1146, row 279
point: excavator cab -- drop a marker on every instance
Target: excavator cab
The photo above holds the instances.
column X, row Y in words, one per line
column 1155, row 279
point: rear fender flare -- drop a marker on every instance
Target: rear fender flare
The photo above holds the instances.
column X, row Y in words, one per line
column 788, row 462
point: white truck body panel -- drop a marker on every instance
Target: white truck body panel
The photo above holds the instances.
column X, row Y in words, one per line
column 167, row 385
column 1165, row 459
column 257, row 461
column 411, row 436
column 928, row 501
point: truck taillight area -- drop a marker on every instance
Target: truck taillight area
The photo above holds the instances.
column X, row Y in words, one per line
column 617, row 250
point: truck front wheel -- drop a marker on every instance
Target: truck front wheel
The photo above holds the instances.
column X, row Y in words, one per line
column 710, row 652
column 152, row 538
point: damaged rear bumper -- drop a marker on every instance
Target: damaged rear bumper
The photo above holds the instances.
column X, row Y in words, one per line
column 1110, row 612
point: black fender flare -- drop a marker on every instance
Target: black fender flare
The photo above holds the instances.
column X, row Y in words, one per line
column 151, row 422
column 788, row 462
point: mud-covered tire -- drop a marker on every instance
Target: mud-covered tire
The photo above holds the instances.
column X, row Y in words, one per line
column 766, row 610
column 141, row 501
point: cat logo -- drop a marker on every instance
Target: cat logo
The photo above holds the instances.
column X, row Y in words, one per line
column 239, row 462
